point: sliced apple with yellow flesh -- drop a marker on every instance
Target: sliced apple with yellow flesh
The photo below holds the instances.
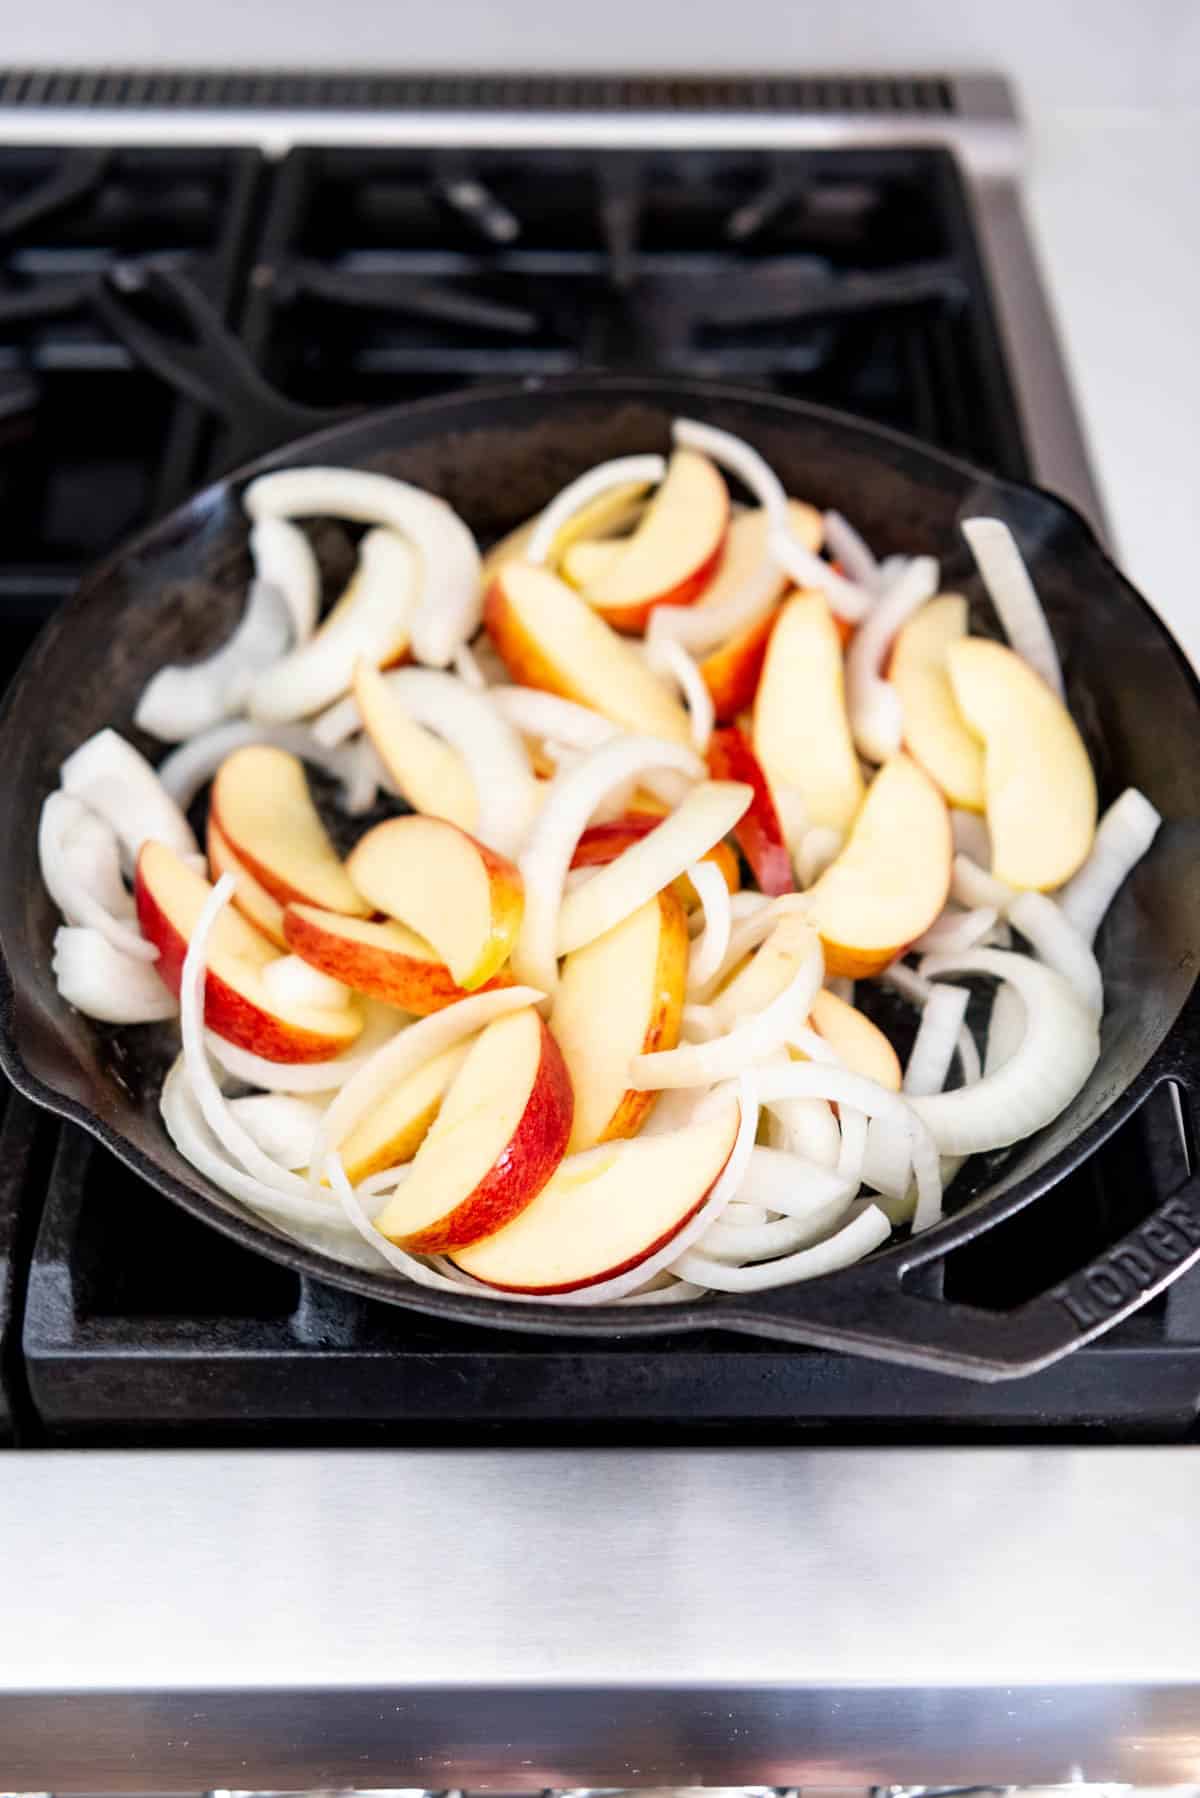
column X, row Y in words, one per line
column 250, row 896
column 607, row 512
column 731, row 671
column 606, row 1211
column 764, row 976
column 1038, row 779
column 383, row 960
column 801, row 731
column 675, row 550
column 262, row 807
column 549, row 637
column 934, row 732
column 602, row 843
column 590, row 559
column 393, row 1132
column 463, row 898
column 501, row 1132
column 430, row 774
column 856, row 1040
column 619, row 997
column 237, row 1005
column 891, row 879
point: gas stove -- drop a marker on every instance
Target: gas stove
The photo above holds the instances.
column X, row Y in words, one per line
column 346, row 241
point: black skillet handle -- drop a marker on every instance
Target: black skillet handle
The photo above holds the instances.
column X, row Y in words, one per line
column 877, row 1308
column 208, row 365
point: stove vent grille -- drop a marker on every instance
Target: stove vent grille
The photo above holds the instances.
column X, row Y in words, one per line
column 136, row 89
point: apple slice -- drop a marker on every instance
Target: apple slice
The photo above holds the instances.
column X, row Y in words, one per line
column 605, row 1211
column 1040, row 788
column 463, row 898
column 589, row 559
column 250, row 896
column 609, row 511
column 262, row 807
column 619, row 997
column 934, row 732
column 891, row 879
column 602, row 843
column 430, row 774
column 731, row 671
column 395, row 1130
column 501, row 1132
column 801, row 731
column 759, row 980
column 860, row 1043
column 385, row 961
column 237, row 1005
column 758, row 832
column 549, row 637
column 675, row 550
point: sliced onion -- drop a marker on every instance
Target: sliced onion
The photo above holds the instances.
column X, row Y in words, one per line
column 1056, row 941
column 80, row 864
column 281, row 1124
column 743, row 1047
column 672, row 660
column 647, row 471
column 186, row 698
column 817, row 848
column 699, row 1023
column 292, row 982
column 887, row 1160
column 382, row 1023
column 942, row 1017
column 1123, row 836
column 403, row 1055
column 856, row 1239
column 190, row 767
column 737, row 1242
column 111, row 778
column 974, row 888
column 375, row 610
column 573, row 798
column 852, row 1155
column 1014, row 596
column 955, row 930
column 792, row 1185
column 492, row 750
column 971, row 835
column 708, row 624
column 746, row 905
column 542, row 715
column 708, row 814
column 104, row 982
column 450, row 601
column 284, row 559
column 1006, row 1028
column 1059, row 1050
column 847, row 547
column 412, row 1268
column 365, row 775
column 876, row 714
column 337, row 723
column 749, row 930
column 468, row 670
column 707, row 955
column 918, row 991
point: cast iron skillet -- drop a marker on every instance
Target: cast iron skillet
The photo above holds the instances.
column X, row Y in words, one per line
column 497, row 456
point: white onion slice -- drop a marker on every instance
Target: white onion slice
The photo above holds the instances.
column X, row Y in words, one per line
column 703, row 627
column 707, row 955
column 573, row 798
column 918, row 991
column 672, row 660
column 817, row 848
column 382, row 1023
column 699, row 1023
column 646, row 470
column 852, row 1155
column 468, row 670
column 792, row 1185
column 745, row 905
column 708, row 814
column 876, row 714
column 410, row 1266
column 750, row 928
column 280, row 1123
column 538, row 714
column 887, row 1160
column 1014, row 596
column 955, row 930
column 856, row 1239
column 807, row 569
column 80, row 864
column 403, row 1055
column 1059, row 1050
column 284, row 559
column 185, row 698
column 743, row 1047
column 808, row 1080
column 450, row 601
column 942, row 1017
column 847, row 547
column 376, row 608
column 293, row 982
column 505, row 788
column 103, row 982
column 365, row 775
column 189, row 767
column 974, row 888
column 1006, row 1028
column 971, row 835
column 1123, row 836
column 111, row 778
column 1056, row 941
column 738, row 1242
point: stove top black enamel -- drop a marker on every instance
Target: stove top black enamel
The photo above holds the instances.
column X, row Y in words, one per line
column 361, row 277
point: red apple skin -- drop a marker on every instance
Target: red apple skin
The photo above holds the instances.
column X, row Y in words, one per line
column 633, row 619
column 731, row 672
column 227, row 1012
column 531, row 1155
column 602, row 843
column 759, row 833
column 419, row 987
